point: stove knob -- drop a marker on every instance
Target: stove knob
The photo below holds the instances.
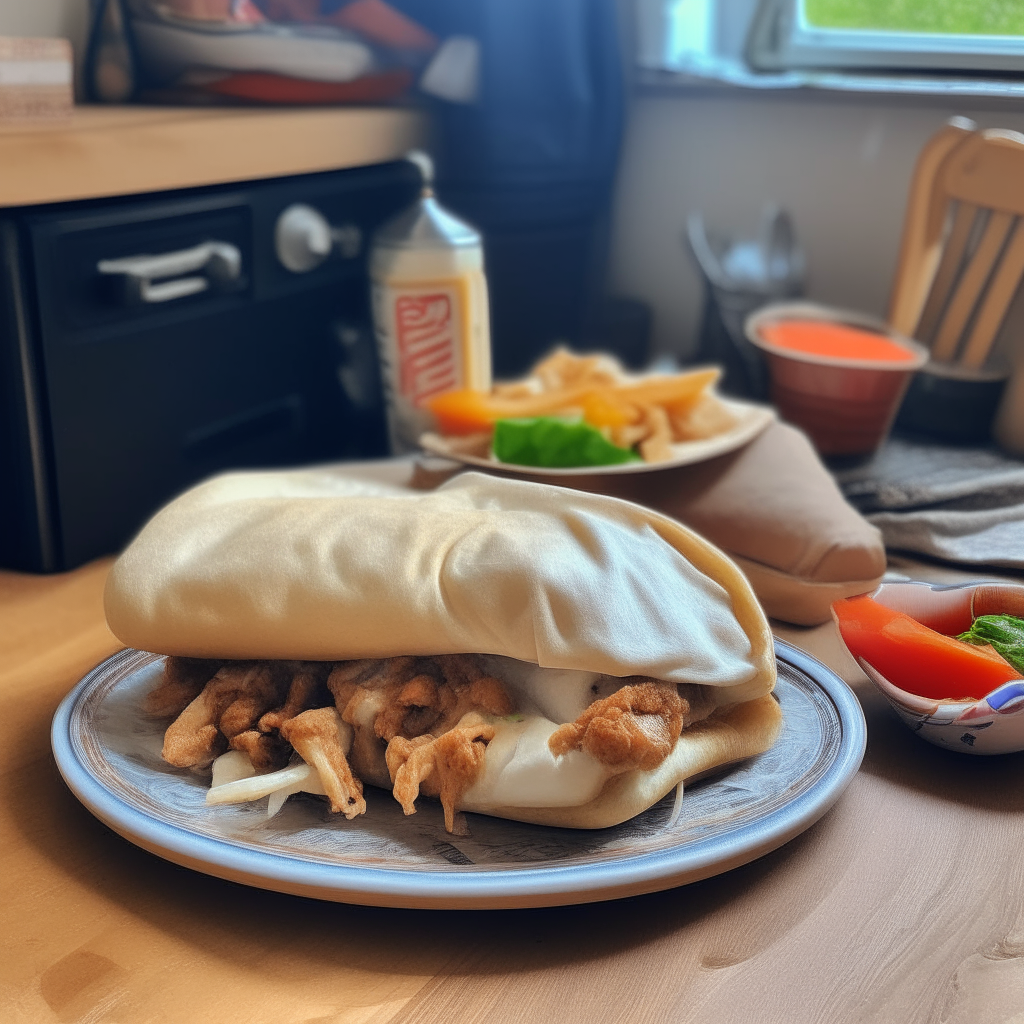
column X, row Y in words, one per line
column 302, row 238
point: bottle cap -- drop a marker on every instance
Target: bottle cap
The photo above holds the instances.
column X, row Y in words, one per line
column 426, row 224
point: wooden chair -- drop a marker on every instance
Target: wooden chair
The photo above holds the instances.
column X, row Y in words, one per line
column 962, row 254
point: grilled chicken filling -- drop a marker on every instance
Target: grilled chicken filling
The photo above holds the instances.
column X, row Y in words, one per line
column 415, row 725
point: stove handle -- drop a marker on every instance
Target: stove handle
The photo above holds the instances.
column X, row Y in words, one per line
column 304, row 238
column 148, row 279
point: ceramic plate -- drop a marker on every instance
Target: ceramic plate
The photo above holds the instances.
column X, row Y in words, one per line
column 109, row 755
column 751, row 420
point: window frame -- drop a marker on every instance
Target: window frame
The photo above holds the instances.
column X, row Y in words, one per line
column 781, row 39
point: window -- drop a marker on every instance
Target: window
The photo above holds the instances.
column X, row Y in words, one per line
column 898, row 35
column 966, row 47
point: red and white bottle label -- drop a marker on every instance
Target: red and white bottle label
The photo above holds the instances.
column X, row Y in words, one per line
column 428, row 339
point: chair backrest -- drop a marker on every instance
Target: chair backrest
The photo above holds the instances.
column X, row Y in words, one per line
column 962, row 255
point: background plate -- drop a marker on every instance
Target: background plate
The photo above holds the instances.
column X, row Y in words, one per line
column 109, row 755
column 751, row 420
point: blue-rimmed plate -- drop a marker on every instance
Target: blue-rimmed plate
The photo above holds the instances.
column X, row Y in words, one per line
column 109, row 754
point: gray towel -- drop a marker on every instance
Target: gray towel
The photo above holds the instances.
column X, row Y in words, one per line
column 963, row 505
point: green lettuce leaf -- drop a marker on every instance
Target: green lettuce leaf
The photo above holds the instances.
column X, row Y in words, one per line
column 556, row 443
column 1004, row 633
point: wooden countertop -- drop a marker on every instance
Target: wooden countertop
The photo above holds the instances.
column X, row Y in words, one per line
column 110, row 151
column 902, row 904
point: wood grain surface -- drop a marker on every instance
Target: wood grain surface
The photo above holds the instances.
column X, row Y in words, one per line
column 111, row 151
column 903, row 904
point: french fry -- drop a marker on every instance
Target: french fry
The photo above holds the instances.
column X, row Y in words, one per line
column 647, row 414
column 466, row 411
column 657, row 446
column 602, row 410
column 679, row 389
column 704, row 418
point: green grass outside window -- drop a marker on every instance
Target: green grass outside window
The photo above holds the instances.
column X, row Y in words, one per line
column 957, row 17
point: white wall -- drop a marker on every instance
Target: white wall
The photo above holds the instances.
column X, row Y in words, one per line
column 840, row 165
column 44, row 18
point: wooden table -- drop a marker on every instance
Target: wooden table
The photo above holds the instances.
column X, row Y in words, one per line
column 905, row 903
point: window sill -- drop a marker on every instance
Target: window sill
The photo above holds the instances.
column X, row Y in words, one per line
column 732, row 75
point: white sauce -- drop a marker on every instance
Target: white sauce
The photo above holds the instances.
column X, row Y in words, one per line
column 520, row 770
column 560, row 695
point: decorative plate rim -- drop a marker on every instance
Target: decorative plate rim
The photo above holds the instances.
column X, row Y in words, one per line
column 527, row 886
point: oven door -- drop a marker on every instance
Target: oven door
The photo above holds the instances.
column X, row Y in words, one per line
column 173, row 344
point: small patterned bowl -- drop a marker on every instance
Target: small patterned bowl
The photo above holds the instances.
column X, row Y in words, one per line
column 994, row 725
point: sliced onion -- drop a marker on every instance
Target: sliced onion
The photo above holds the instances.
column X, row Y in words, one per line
column 677, row 807
column 231, row 767
column 259, row 785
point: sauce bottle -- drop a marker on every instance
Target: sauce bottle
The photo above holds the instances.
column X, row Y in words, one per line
column 430, row 310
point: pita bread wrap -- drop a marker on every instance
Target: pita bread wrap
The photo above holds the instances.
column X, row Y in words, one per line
column 578, row 589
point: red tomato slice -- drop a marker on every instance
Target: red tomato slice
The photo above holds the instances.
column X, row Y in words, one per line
column 916, row 658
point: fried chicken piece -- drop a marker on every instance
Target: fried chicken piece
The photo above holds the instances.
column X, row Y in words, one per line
column 410, row 710
column 445, row 766
column 250, row 727
column 267, row 751
column 193, row 738
column 412, row 696
column 468, row 689
column 238, row 723
column 367, row 753
column 382, row 699
column 183, row 680
column 261, row 691
column 348, row 676
column 636, row 727
column 409, row 697
column 315, row 736
column 486, row 694
column 306, row 680
column 410, row 762
column 458, row 669
column 351, row 671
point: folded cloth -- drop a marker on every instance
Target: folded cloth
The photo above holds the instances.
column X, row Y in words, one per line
column 776, row 511
column 962, row 505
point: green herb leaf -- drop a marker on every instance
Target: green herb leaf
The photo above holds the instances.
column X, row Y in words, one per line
column 1003, row 633
column 556, row 443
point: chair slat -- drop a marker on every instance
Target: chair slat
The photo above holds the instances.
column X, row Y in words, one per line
column 997, row 301
column 952, row 257
column 977, row 272
column 921, row 243
column 988, row 171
